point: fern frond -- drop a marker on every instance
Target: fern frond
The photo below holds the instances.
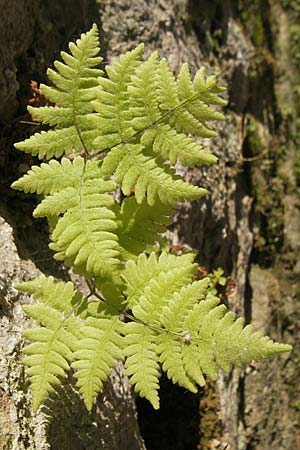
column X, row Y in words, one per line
column 56, row 204
column 141, row 362
column 171, row 344
column 135, row 167
column 112, row 103
column 181, row 104
column 55, row 143
column 141, row 225
column 143, row 95
column 52, row 177
column 199, row 94
column 153, row 111
column 174, row 146
column 76, row 82
column 85, row 237
column 96, row 353
column 48, row 357
column 195, row 99
column 139, row 171
column 179, row 270
column 202, row 337
column 51, row 292
column 148, row 293
column 143, row 120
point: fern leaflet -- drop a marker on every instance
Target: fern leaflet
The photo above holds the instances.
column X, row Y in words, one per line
column 49, row 355
column 85, row 237
column 141, row 362
column 179, row 270
column 206, row 324
column 141, row 225
column 96, row 353
column 143, row 133
column 76, row 82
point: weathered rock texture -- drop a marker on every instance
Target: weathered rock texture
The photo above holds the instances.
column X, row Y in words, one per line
column 248, row 225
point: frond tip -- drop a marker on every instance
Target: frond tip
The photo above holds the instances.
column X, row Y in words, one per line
column 75, row 86
column 216, row 338
column 190, row 335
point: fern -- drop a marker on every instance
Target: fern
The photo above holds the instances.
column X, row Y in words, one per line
column 141, row 362
column 128, row 129
column 76, row 87
column 85, row 236
column 96, row 353
column 141, row 225
column 52, row 177
column 49, row 356
column 178, row 270
column 146, row 131
column 190, row 336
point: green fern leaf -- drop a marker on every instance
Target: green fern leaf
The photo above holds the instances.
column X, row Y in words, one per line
column 166, row 88
column 141, row 226
column 143, row 121
column 175, row 147
column 85, row 237
column 141, row 362
column 198, row 97
column 114, row 125
column 56, row 204
column 158, row 292
column 152, row 292
column 143, row 96
column 76, row 82
column 50, row 292
column 137, row 170
column 173, row 97
column 49, row 355
column 181, row 105
column 96, row 354
column 202, row 337
column 155, row 106
column 55, row 143
column 51, row 177
column 171, row 344
column 179, row 270
column 239, row 346
column 197, row 361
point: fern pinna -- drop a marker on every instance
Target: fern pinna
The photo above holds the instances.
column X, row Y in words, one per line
column 124, row 129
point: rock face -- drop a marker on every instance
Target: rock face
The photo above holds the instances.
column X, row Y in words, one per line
column 248, row 225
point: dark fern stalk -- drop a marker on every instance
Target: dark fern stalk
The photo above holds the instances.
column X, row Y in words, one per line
column 127, row 128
